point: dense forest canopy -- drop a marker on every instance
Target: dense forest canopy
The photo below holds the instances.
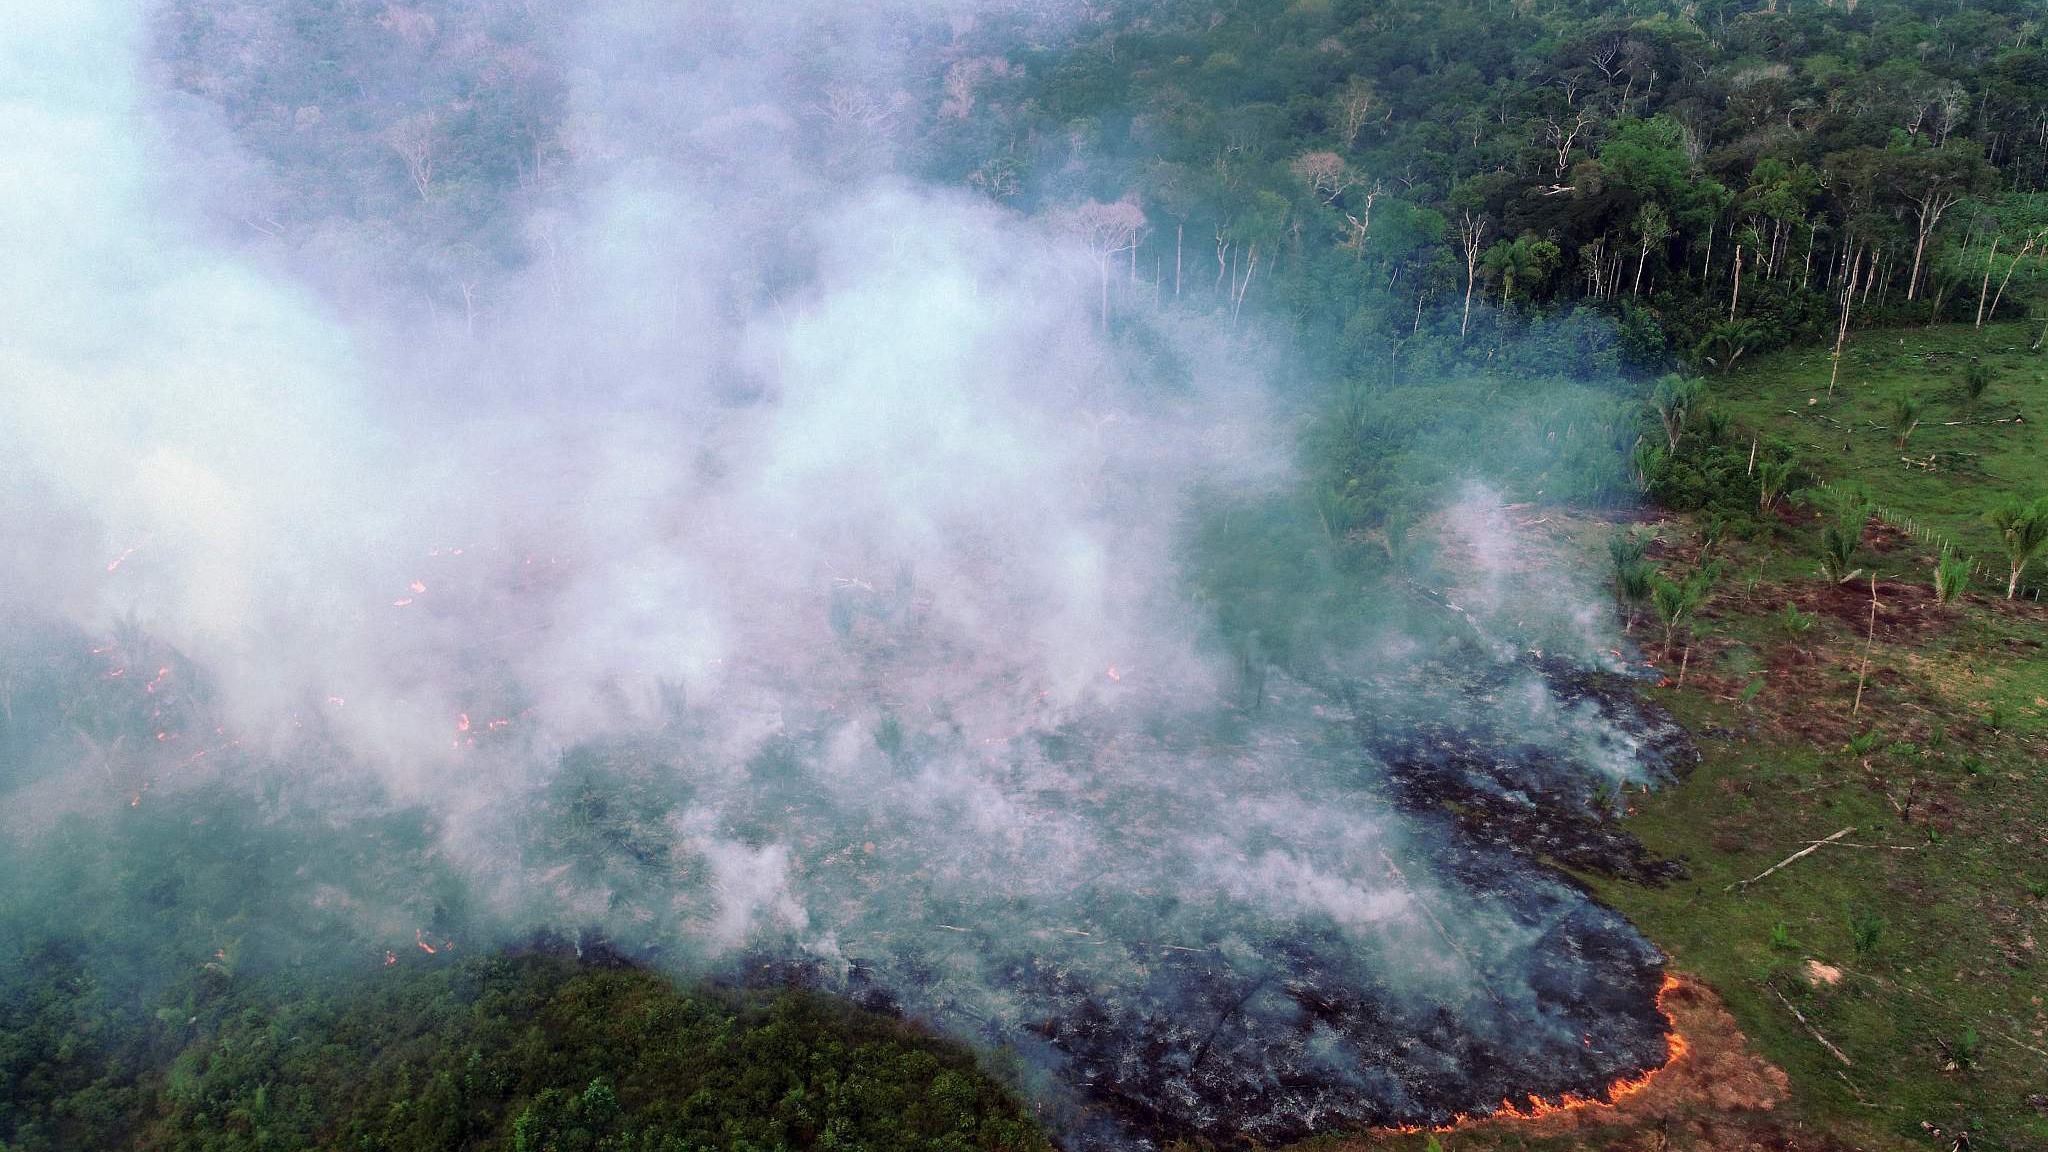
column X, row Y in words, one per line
column 1354, row 167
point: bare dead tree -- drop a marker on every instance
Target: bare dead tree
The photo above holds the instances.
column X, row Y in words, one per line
column 1471, row 237
column 1325, row 173
column 1929, row 203
column 1356, row 106
column 414, row 139
column 1563, row 136
column 2026, row 248
column 1106, row 230
column 1361, row 221
column 1949, row 106
column 859, row 121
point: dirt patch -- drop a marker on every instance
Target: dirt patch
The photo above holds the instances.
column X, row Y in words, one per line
column 1905, row 612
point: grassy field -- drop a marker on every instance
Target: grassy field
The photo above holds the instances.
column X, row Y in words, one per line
column 1964, row 455
column 1931, row 994
column 1896, row 975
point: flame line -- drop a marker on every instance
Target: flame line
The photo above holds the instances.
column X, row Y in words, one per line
column 1537, row 1107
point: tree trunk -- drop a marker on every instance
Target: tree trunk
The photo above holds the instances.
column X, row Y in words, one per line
column 1251, row 265
column 1736, row 296
column 1919, row 248
column 1842, row 330
column 1984, row 289
column 2000, row 294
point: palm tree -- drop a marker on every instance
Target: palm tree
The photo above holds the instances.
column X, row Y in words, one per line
column 1772, row 474
column 2023, row 529
column 1678, row 601
column 1674, row 398
column 1526, row 259
column 1905, row 418
column 1725, row 342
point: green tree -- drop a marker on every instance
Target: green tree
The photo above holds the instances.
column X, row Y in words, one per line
column 2022, row 531
column 1526, row 260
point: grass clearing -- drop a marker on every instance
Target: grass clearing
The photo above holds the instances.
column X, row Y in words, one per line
column 1965, row 455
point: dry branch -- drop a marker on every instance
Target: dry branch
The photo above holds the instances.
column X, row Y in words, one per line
column 1811, row 1030
column 1806, row 851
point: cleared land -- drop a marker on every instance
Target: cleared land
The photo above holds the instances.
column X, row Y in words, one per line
column 1896, row 973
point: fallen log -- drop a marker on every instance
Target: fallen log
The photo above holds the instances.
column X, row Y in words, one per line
column 1806, row 851
column 1811, row 1030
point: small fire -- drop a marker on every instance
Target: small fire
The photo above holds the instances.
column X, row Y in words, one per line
column 1113, row 675
column 1536, row 1107
column 336, row 701
column 203, row 753
column 401, row 602
column 390, row 958
column 419, row 937
column 462, row 721
column 115, row 563
column 162, row 674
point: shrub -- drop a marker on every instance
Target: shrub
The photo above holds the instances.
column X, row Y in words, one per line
column 1866, row 929
column 1838, row 555
column 1951, row 578
column 1905, row 418
column 1772, row 474
column 1976, row 378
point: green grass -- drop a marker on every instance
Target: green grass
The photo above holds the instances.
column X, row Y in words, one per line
column 1939, row 918
column 1848, row 436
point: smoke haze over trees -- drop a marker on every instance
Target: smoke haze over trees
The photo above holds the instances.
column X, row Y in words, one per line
column 992, row 510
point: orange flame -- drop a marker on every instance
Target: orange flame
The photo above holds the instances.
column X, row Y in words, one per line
column 390, row 958
column 1113, row 673
column 1536, row 1107
column 420, row 938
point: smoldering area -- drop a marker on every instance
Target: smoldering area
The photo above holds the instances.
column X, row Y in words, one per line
column 749, row 559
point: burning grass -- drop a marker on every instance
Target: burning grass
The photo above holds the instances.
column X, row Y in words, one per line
column 1709, row 1068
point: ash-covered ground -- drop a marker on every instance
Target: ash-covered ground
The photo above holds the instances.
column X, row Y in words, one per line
column 673, row 520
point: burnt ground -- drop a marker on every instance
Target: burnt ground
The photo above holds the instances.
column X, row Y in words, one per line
column 1163, row 1016
column 1526, row 797
column 1338, row 911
